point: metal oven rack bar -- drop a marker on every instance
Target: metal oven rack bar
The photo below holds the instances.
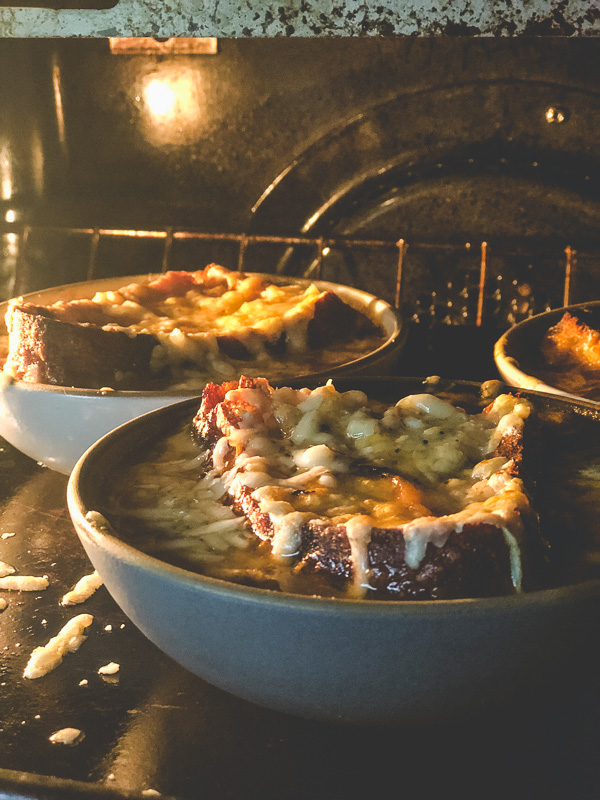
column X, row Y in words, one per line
column 400, row 251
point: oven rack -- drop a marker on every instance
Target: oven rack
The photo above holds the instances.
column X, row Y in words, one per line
column 466, row 283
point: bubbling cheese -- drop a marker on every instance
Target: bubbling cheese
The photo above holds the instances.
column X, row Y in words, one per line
column 422, row 466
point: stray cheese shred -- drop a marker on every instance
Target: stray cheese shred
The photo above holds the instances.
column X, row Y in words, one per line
column 109, row 669
column 71, row 636
column 5, row 569
column 24, row 583
column 67, row 736
column 83, row 590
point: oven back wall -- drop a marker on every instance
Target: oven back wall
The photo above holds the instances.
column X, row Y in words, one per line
column 194, row 140
column 432, row 139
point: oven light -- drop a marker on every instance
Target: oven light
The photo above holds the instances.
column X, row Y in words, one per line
column 174, row 104
column 160, row 98
column 10, row 216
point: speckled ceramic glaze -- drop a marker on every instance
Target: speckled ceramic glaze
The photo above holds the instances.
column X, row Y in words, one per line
column 55, row 425
column 372, row 662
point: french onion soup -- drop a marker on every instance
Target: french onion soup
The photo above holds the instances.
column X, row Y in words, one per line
column 180, row 329
column 319, row 491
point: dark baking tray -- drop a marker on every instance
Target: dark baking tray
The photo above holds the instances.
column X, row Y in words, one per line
column 158, row 727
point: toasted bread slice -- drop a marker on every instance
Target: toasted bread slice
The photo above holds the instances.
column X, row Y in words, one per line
column 419, row 500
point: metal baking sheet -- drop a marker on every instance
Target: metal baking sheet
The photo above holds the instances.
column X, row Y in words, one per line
column 156, row 727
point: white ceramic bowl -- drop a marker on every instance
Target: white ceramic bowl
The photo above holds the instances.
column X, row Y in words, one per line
column 55, row 425
column 518, row 354
column 359, row 661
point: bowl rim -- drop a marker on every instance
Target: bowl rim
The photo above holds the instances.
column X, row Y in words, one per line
column 122, row 550
column 395, row 339
column 509, row 366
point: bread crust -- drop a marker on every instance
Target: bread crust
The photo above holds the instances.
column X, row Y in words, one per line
column 43, row 349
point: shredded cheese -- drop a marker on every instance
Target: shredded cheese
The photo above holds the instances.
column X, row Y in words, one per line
column 71, row 636
column 109, row 669
column 83, row 589
column 67, row 736
column 24, row 583
column 5, row 569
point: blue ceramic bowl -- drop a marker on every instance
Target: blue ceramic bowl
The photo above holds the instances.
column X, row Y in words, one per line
column 374, row 662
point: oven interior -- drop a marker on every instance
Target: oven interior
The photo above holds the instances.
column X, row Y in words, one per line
column 455, row 178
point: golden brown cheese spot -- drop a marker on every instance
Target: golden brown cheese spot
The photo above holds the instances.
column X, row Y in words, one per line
column 389, row 500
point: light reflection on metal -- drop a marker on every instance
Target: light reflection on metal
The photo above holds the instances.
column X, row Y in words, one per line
column 160, row 98
column 58, row 102
column 242, row 251
column 9, row 253
column 37, row 161
column 167, row 249
column 569, row 257
column 11, row 215
column 402, row 248
column 6, row 175
column 93, row 254
column 175, row 45
column 482, row 277
column 322, row 245
column 555, row 115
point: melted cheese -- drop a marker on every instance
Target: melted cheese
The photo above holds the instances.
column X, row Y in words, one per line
column 307, row 455
column 67, row 640
column 204, row 322
column 83, row 589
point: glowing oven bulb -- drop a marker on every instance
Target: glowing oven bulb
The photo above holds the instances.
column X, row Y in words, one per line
column 161, row 98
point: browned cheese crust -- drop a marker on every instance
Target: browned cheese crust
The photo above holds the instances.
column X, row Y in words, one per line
column 475, row 562
column 571, row 341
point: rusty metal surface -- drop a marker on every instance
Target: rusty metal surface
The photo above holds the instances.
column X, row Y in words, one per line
column 232, row 18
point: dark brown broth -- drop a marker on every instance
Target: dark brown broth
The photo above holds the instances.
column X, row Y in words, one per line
column 572, row 378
